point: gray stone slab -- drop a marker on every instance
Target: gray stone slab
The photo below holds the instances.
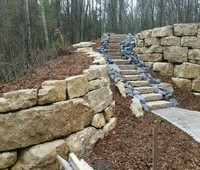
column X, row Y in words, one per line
column 187, row 120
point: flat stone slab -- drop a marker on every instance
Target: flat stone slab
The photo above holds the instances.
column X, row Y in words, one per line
column 187, row 120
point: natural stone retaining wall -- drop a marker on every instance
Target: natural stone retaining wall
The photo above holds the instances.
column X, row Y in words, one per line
column 173, row 51
column 63, row 116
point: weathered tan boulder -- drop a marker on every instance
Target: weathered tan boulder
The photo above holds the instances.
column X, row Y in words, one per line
column 99, row 60
column 7, row 159
column 166, row 31
column 84, row 49
column 110, row 125
column 192, row 42
column 171, row 41
column 41, row 124
column 52, row 91
column 192, row 61
column 175, row 54
column 152, row 57
column 77, row 86
column 42, row 157
column 136, row 108
column 109, row 111
column 167, row 86
column 139, row 43
column 194, row 54
column 20, row 99
column 149, row 64
column 196, row 85
column 137, row 50
column 184, row 84
column 187, row 70
column 163, row 68
column 151, row 49
column 98, row 83
column 198, row 35
column 151, row 41
column 185, row 29
column 145, row 34
column 84, row 140
column 99, row 99
column 121, row 89
column 98, row 121
column 92, row 73
column 83, row 44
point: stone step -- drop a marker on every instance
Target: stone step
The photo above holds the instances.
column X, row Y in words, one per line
column 117, row 35
column 153, row 105
column 129, row 72
column 152, row 96
column 115, row 53
column 145, row 90
column 132, row 77
column 115, row 57
column 114, row 45
column 113, row 50
column 121, row 61
column 116, row 39
column 139, row 83
column 127, row 67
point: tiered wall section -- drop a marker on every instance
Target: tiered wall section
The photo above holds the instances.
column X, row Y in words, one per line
column 173, row 51
column 62, row 116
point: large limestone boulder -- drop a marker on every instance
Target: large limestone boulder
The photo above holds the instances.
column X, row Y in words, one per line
column 109, row 111
column 98, row 121
column 84, row 140
column 92, row 73
column 151, row 49
column 184, row 84
column 175, row 54
column 187, row 70
column 52, row 91
column 167, row 86
column 196, row 85
column 192, row 42
column 110, row 125
column 194, row 54
column 98, row 83
column 139, row 43
column 162, row 31
column 171, row 41
column 121, row 89
column 151, row 57
column 136, row 108
column 77, row 86
column 83, row 44
column 145, row 34
column 41, row 124
column 42, row 157
column 185, row 29
column 99, row 99
column 163, row 68
column 152, row 41
column 20, row 99
column 7, row 159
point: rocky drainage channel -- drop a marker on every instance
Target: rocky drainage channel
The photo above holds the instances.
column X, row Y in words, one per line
column 132, row 76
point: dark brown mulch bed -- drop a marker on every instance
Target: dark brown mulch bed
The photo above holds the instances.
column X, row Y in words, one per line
column 129, row 145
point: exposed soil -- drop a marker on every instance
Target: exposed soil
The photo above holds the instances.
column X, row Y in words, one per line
column 129, row 145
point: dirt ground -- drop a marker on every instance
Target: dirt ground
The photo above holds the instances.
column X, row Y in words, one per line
column 129, row 146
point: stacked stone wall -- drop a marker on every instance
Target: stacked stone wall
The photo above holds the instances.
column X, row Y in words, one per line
column 173, row 51
column 62, row 116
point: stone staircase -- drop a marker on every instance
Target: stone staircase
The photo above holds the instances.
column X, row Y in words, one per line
column 129, row 71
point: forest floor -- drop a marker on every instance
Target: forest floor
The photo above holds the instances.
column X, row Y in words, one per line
column 129, row 145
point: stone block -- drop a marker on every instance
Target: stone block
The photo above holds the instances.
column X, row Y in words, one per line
column 7, row 159
column 151, row 41
column 20, row 99
column 110, row 125
column 175, row 54
column 146, row 34
column 185, row 29
column 152, row 57
column 98, row 83
column 137, row 50
column 191, row 42
column 121, row 89
column 99, row 99
column 184, row 84
column 194, row 54
column 192, row 61
column 136, row 108
column 196, row 85
column 77, row 86
column 171, row 41
column 42, row 156
column 166, row 31
column 167, row 86
column 139, row 43
column 41, row 124
column 92, row 73
column 98, row 121
column 163, row 68
column 109, row 111
column 187, row 70
column 84, row 140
